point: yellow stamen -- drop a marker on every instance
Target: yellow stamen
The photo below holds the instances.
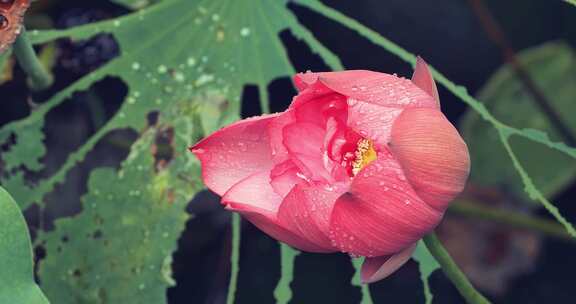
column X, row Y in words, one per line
column 364, row 155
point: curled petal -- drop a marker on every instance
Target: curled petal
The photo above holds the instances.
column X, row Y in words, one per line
column 276, row 133
column 304, row 142
column 235, row 152
column 306, row 211
column 320, row 109
column 380, row 214
column 375, row 269
column 254, row 193
column 284, row 177
column 257, row 201
column 424, row 80
column 432, row 154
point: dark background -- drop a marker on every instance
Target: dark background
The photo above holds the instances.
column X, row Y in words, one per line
column 447, row 33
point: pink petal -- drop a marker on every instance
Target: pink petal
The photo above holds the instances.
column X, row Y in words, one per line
column 319, row 110
column 304, row 142
column 306, row 211
column 372, row 121
column 276, row 131
column 303, row 81
column 284, row 177
column 255, row 199
column 254, row 193
column 271, row 227
column 380, row 214
column 375, row 269
column 235, row 152
column 433, row 155
column 372, row 87
column 424, row 80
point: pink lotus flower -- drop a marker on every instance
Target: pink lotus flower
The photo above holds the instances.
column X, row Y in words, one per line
column 361, row 162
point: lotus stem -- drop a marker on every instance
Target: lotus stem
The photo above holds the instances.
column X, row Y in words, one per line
column 234, row 258
column 452, row 271
column 40, row 78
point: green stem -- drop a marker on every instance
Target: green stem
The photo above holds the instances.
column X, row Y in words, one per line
column 40, row 79
column 510, row 218
column 366, row 297
column 452, row 270
column 234, row 258
column 283, row 292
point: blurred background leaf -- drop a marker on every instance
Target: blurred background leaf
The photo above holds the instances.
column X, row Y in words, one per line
column 552, row 67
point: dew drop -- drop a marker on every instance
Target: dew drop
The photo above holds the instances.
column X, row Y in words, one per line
column 178, row 76
column 191, row 61
column 352, row 102
column 162, row 69
column 245, row 32
column 242, row 147
column 220, row 36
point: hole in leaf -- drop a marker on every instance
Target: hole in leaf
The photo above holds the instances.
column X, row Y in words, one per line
column 206, row 253
column 301, row 55
column 163, row 149
column 326, row 273
column 404, row 284
column 152, row 118
column 77, row 273
column 97, row 234
column 83, row 56
column 39, row 254
column 68, row 126
column 281, row 92
column 64, row 201
column 250, row 102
